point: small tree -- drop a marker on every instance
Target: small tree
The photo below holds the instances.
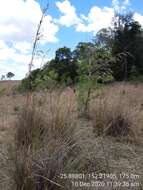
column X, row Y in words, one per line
column 10, row 75
column 93, row 68
column 3, row 77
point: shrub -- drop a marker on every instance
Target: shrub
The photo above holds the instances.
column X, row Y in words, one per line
column 24, row 86
column 30, row 127
column 44, row 148
column 112, row 117
column 119, row 126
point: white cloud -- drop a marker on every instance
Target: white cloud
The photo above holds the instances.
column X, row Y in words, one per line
column 23, row 47
column 115, row 5
column 18, row 24
column 69, row 16
column 138, row 17
column 49, row 30
column 97, row 19
column 94, row 21
column 120, row 6
column 127, row 2
column 12, row 60
column 19, row 19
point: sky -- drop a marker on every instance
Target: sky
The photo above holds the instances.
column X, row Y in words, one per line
column 66, row 23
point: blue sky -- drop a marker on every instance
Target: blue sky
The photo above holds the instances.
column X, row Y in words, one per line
column 67, row 22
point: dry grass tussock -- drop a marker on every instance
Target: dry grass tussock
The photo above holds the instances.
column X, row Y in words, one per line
column 117, row 111
column 47, row 138
column 44, row 147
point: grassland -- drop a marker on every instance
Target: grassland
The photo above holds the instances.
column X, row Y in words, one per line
column 44, row 138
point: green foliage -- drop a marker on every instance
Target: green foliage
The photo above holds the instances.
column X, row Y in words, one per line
column 49, row 81
column 127, row 46
column 136, row 78
column 10, row 75
column 115, row 54
column 83, row 95
column 24, row 86
column 96, row 67
column 124, row 41
column 68, row 68
column 30, row 82
column 65, row 66
column 93, row 69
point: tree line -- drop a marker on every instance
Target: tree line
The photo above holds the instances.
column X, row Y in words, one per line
column 115, row 54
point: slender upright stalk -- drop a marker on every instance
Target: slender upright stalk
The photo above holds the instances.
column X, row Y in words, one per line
column 29, row 96
column 37, row 38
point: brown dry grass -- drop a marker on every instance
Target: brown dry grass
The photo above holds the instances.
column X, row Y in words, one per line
column 43, row 140
column 117, row 110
